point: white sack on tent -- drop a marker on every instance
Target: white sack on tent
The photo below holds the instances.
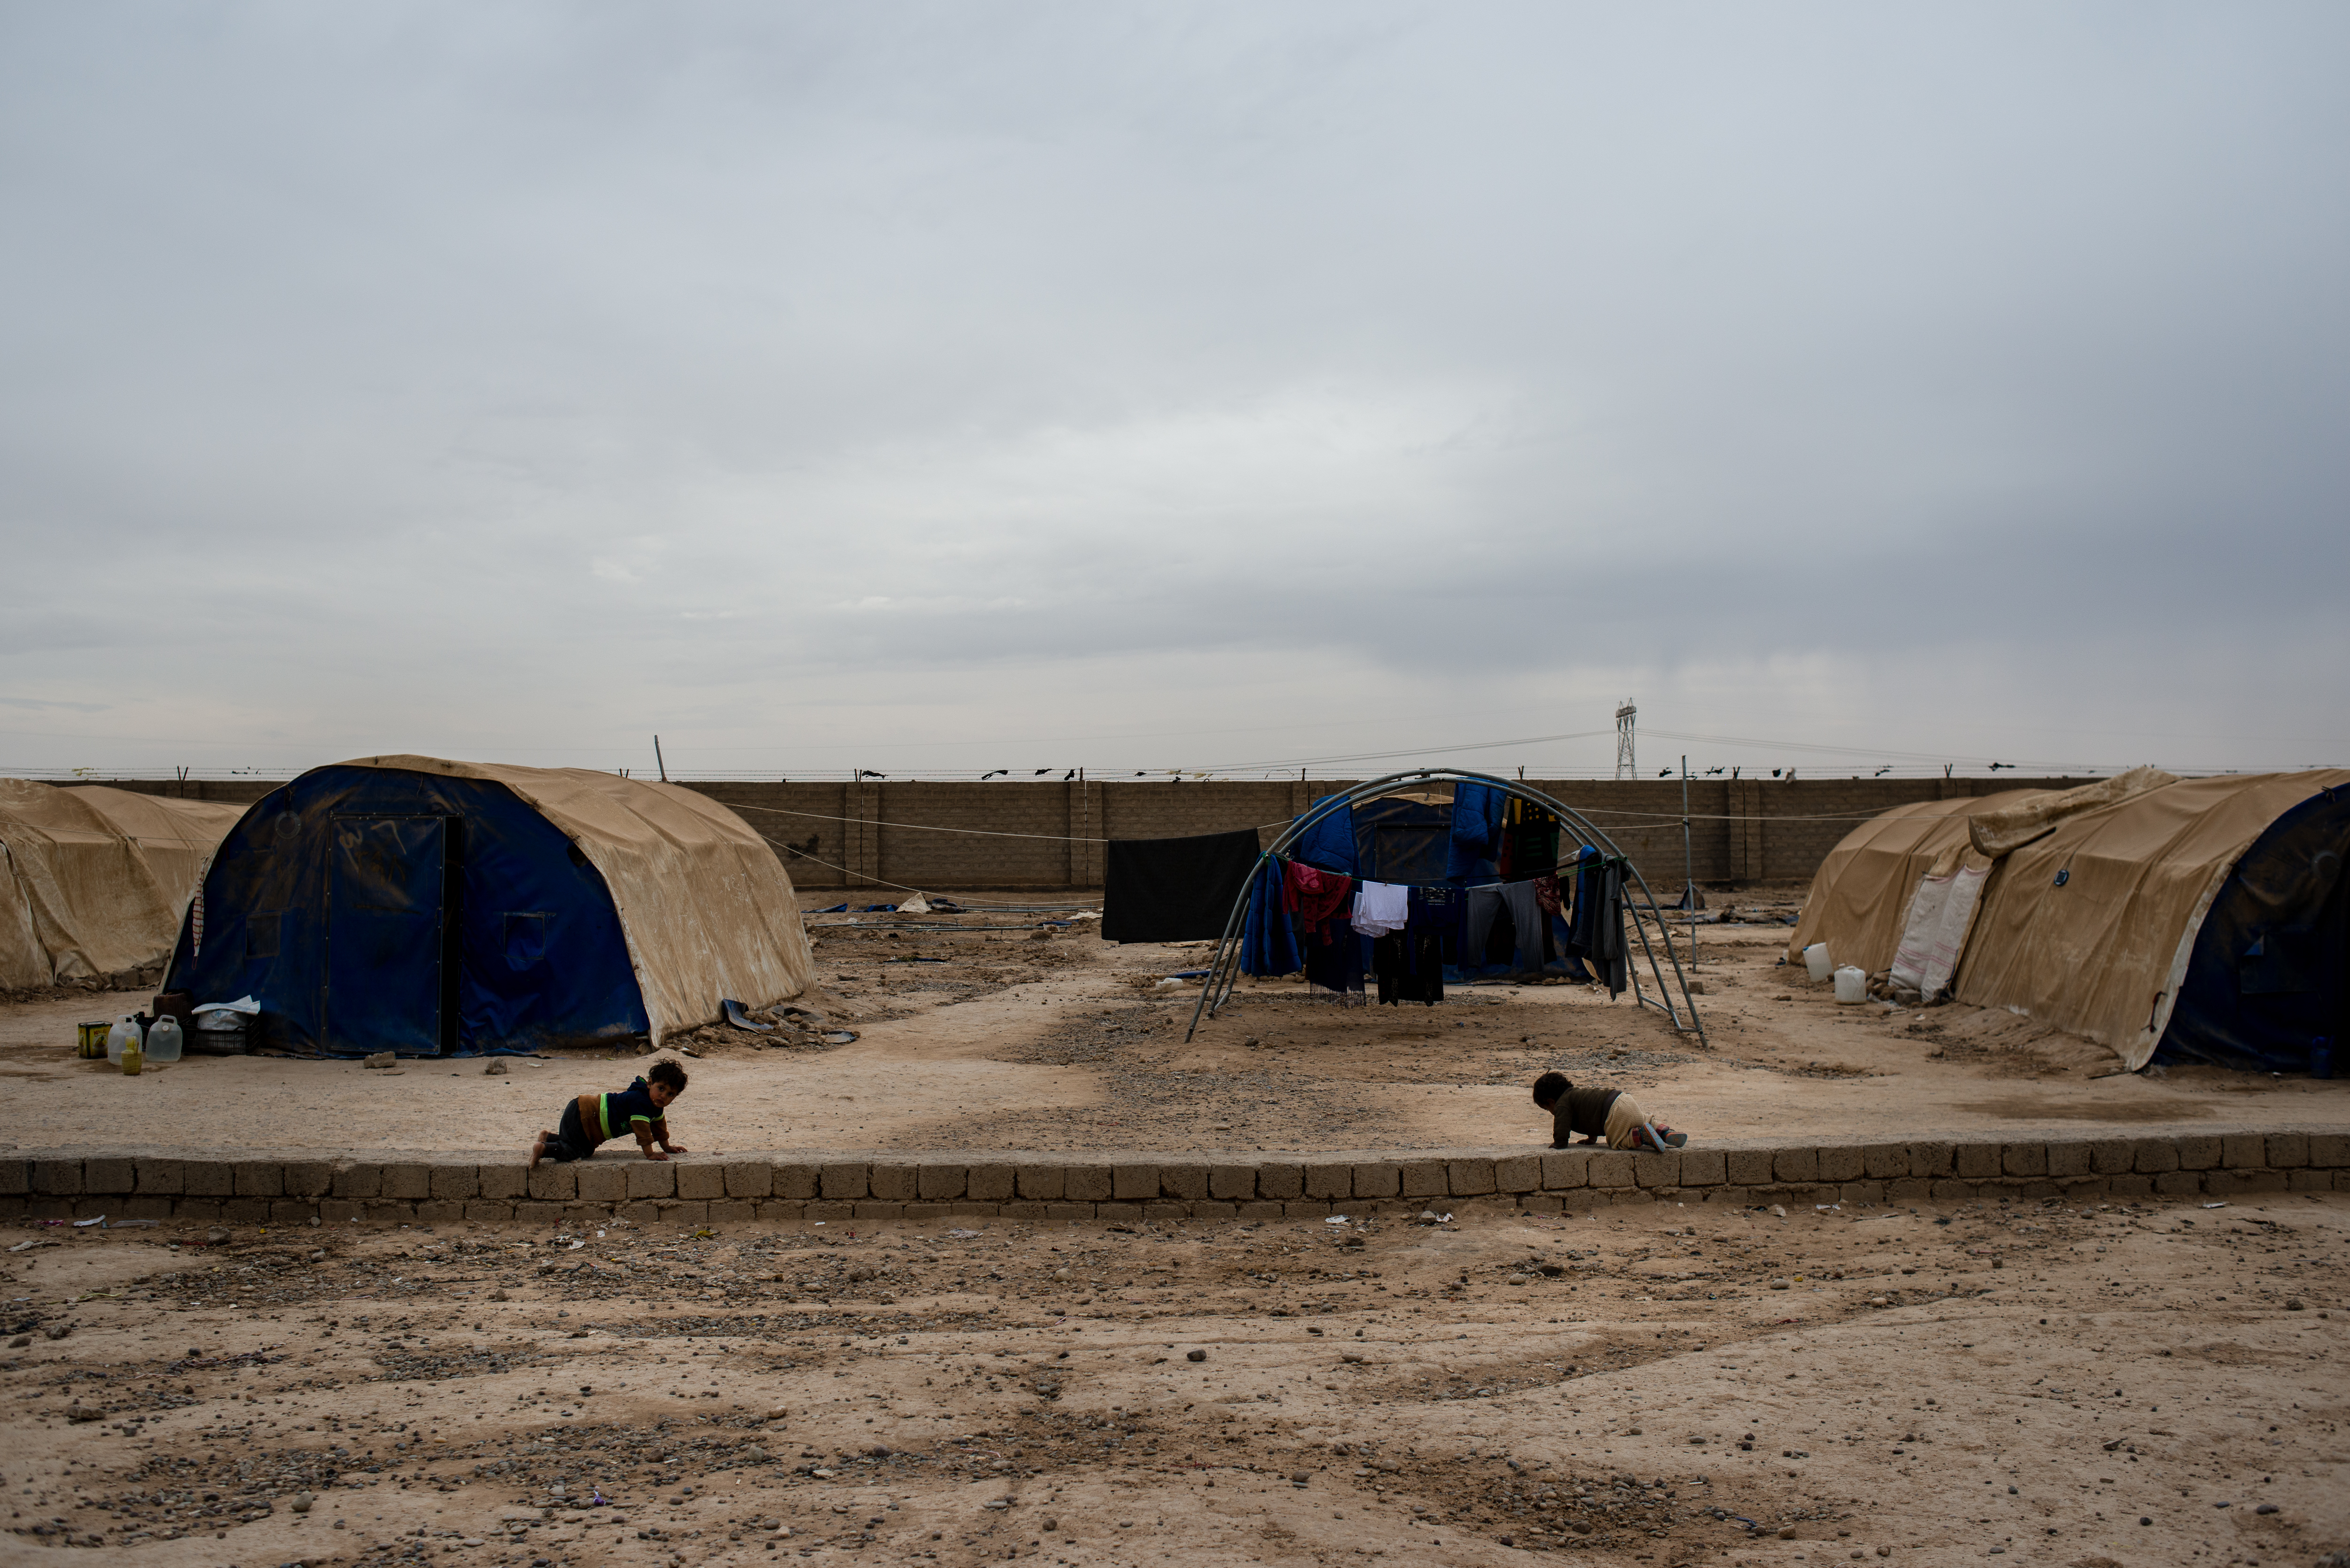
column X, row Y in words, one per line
column 916, row 905
column 1935, row 934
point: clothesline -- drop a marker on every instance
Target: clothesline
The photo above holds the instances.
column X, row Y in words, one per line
column 1643, row 818
column 1563, row 868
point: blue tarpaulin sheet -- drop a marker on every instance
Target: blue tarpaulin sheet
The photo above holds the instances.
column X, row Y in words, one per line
column 372, row 910
column 2267, row 976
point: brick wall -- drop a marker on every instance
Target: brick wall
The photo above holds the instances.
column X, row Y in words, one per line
column 1746, row 831
column 255, row 1187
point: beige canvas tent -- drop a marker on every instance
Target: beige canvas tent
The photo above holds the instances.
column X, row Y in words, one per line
column 1862, row 892
column 93, row 881
column 2091, row 902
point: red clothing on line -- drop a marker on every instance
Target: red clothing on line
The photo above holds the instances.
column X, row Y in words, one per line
column 1313, row 895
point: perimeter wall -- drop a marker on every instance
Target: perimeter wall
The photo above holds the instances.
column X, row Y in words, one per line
column 875, row 834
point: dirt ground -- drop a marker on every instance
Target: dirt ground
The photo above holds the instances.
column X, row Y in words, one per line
column 1028, row 1036
column 2128, row 1382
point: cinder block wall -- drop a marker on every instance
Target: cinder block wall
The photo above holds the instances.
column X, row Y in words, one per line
column 1033, row 835
column 255, row 1187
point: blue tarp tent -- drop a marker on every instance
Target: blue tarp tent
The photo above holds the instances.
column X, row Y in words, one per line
column 430, row 907
column 2269, row 974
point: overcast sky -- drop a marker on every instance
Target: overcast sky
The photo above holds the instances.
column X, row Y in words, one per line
column 937, row 389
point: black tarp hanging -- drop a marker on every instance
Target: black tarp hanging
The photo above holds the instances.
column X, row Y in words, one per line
column 1174, row 889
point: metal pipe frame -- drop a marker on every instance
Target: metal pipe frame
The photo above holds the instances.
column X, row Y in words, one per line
column 1223, row 969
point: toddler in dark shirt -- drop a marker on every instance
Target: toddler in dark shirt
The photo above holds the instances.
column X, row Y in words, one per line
column 1595, row 1114
column 641, row 1108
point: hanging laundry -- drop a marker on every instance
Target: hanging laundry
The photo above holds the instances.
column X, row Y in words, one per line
column 1390, row 964
column 1174, row 889
column 1436, row 914
column 1424, row 968
column 1587, row 900
column 1600, row 923
column 1546, row 895
column 1335, row 967
column 1269, row 935
column 1381, row 908
column 1410, row 963
column 1477, row 812
column 1488, row 902
column 1329, row 842
column 1313, row 895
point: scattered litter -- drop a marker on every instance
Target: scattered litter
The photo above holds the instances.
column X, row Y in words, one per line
column 1781, row 1212
column 839, row 1036
column 495, row 1070
column 1335, row 1220
column 879, row 910
column 2215, row 1206
column 916, row 905
column 86, row 1224
column 36, row 1241
column 134, row 1224
column 380, row 1059
column 1188, row 974
column 1430, row 1217
column 834, row 909
column 962, row 1235
column 740, row 1020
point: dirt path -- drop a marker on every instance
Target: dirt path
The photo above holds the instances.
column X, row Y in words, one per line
column 2111, row 1384
column 1024, row 1038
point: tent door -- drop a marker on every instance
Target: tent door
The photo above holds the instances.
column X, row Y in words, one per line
column 386, row 887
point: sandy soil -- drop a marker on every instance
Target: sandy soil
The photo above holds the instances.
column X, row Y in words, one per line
column 1029, row 1038
column 2111, row 1384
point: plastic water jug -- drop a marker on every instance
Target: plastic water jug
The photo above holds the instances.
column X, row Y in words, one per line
column 1852, row 984
column 1815, row 958
column 126, row 1032
column 164, row 1040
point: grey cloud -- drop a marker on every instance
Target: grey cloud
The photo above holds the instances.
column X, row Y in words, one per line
column 512, row 378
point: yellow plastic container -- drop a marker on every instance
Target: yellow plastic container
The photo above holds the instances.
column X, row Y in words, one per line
column 92, row 1044
column 134, row 1057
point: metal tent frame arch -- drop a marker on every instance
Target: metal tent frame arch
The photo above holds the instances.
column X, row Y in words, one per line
column 1223, row 969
